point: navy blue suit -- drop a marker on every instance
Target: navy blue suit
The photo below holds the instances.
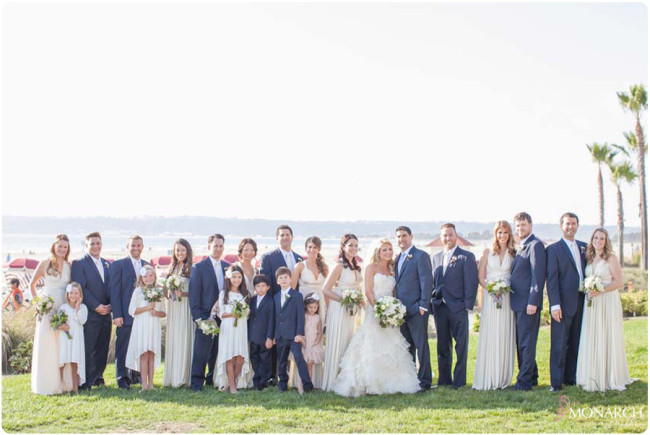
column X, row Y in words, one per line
column 413, row 288
column 261, row 326
column 527, row 277
column 271, row 262
column 457, row 286
column 290, row 322
column 203, row 293
column 97, row 330
column 563, row 288
column 122, row 284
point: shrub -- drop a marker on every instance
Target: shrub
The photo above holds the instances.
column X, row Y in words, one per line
column 635, row 303
column 17, row 327
column 21, row 358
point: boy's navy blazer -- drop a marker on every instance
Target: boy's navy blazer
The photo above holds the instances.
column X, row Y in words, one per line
column 122, row 285
column 96, row 292
column 261, row 322
column 459, row 284
column 272, row 261
column 204, row 288
column 528, row 274
column 562, row 278
column 290, row 318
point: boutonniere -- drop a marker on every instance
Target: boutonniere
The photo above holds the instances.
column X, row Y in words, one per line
column 299, row 260
column 453, row 259
column 408, row 257
column 106, row 265
column 287, row 296
column 582, row 250
column 521, row 248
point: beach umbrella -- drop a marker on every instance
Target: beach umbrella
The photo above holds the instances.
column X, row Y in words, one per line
column 162, row 261
column 23, row 263
column 437, row 243
column 230, row 258
column 198, row 258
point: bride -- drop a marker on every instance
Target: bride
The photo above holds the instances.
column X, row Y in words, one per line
column 377, row 361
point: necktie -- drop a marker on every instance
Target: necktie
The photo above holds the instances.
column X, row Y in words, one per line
column 100, row 268
column 137, row 266
column 287, row 258
column 217, row 270
column 576, row 258
column 259, row 301
column 445, row 262
column 400, row 262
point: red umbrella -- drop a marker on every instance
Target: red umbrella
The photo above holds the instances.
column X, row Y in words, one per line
column 163, row 260
column 198, row 258
column 230, row 258
column 20, row 263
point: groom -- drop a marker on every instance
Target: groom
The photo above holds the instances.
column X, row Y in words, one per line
column 565, row 261
column 413, row 289
column 455, row 282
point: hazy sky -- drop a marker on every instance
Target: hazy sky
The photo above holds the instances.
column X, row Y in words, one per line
column 315, row 111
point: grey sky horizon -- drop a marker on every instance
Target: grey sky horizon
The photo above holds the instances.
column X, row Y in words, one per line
column 309, row 111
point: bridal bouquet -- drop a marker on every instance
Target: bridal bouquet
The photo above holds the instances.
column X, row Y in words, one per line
column 592, row 283
column 497, row 289
column 152, row 294
column 171, row 284
column 239, row 309
column 208, row 326
column 351, row 299
column 60, row 319
column 390, row 311
column 44, row 305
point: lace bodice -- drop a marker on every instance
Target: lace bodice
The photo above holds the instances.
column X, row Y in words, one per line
column 496, row 269
column 383, row 285
column 599, row 268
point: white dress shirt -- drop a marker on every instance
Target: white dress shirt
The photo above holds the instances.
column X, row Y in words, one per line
column 136, row 266
column 283, row 297
column 218, row 271
column 402, row 258
column 259, row 300
column 575, row 251
column 289, row 259
column 99, row 266
column 446, row 257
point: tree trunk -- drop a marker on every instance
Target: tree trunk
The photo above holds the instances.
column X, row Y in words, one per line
column 601, row 198
column 643, row 208
column 619, row 200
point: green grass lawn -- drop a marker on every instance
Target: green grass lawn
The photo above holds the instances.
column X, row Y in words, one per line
column 441, row 410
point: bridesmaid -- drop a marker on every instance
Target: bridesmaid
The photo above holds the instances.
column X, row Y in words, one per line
column 495, row 356
column 247, row 252
column 55, row 271
column 340, row 326
column 309, row 276
column 602, row 363
column 180, row 327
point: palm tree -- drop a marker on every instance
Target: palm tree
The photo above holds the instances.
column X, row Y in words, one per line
column 601, row 154
column 636, row 102
column 620, row 172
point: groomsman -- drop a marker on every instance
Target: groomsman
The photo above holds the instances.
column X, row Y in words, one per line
column 283, row 256
column 566, row 270
column 455, row 282
column 123, row 275
column 206, row 280
column 414, row 283
column 527, row 278
column 92, row 272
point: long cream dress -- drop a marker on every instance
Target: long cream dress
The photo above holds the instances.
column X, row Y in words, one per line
column 495, row 354
column 179, row 340
column 602, row 363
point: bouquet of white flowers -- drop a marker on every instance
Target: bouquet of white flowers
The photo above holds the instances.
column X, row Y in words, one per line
column 152, row 294
column 351, row 299
column 497, row 289
column 208, row 326
column 240, row 309
column 171, row 284
column 44, row 305
column 592, row 283
column 60, row 319
column 390, row 311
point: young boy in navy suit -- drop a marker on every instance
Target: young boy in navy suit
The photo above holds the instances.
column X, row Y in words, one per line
column 261, row 328
column 290, row 330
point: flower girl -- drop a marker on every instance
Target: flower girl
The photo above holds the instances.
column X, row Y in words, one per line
column 312, row 346
column 146, row 307
column 72, row 355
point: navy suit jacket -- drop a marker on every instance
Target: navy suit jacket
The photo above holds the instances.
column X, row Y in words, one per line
column 272, row 261
column 290, row 318
column 204, row 288
column 96, row 292
column 459, row 284
column 261, row 323
column 562, row 277
column 415, row 282
column 122, row 284
column 528, row 274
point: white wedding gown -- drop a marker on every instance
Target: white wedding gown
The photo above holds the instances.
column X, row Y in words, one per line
column 377, row 360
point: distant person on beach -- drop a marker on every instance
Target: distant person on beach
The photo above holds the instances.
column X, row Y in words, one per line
column 92, row 273
column 15, row 296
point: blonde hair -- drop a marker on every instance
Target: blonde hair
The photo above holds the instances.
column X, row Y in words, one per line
column 375, row 254
column 140, row 281
column 496, row 248
column 591, row 251
column 76, row 285
column 51, row 265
